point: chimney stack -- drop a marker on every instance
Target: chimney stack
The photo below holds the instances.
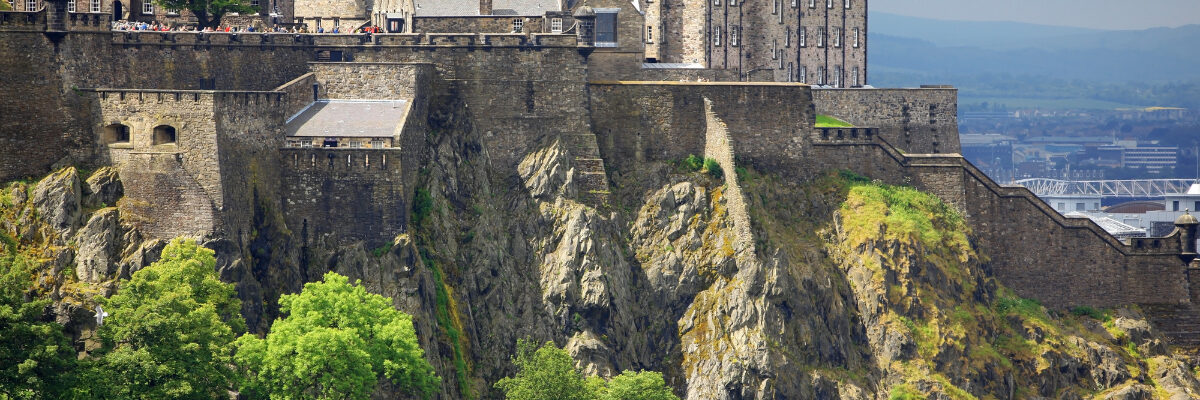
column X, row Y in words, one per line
column 485, row 7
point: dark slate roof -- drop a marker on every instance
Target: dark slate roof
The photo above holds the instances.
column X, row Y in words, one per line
column 354, row 118
column 458, row 8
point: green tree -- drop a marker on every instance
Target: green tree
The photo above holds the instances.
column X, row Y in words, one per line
column 208, row 12
column 337, row 341
column 545, row 373
column 629, row 385
column 549, row 373
column 35, row 356
column 170, row 331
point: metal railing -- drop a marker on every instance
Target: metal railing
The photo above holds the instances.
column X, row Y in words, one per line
column 1107, row 188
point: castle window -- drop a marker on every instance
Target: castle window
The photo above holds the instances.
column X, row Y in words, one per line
column 556, row 25
column 812, row 3
column 837, row 76
column 847, row 4
column 855, row 37
column 837, row 37
column 803, row 36
column 376, row 143
column 733, row 35
column 94, row 6
column 775, row 49
column 775, row 7
column 732, row 3
column 254, row 3
column 717, row 36
column 795, row 3
column 716, row 2
column 606, row 27
column 803, row 74
column 306, row 142
column 649, row 34
column 116, row 134
column 31, row 5
column 820, row 37
column 856, row 84
column 71, row 6
column 820, row 75
column 829, row 4
column 164, row 134
column 355, row 144
column 790, row 76
column 787, row 40
column 517, row 24
column 147, row 7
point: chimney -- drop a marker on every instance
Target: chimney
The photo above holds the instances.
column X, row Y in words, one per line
column 485, row 7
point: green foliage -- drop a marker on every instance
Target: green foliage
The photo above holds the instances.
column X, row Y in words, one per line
column 443, row 311
column 905, row 392
column 422, row 205
column 1025, row 308
column 546, row 373
column 905, row 214
column 1094, row 313
column 712, row 168
column 549, row 373
column 208, row 12
column 693, row 163
column 629, row 385
column 170, row 331
column 825, row 121
column 337, row 341
column 381, row 250
column 35, row 357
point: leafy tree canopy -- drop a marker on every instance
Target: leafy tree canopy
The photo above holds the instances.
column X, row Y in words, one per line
column 337, row 341
column 35, row 356
column 170, row 331
column 208, row 12
column 548, row 373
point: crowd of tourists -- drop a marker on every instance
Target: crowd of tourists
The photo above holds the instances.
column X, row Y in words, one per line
column 293, row 28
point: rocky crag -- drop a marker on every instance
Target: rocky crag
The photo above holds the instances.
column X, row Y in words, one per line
column 839, row 287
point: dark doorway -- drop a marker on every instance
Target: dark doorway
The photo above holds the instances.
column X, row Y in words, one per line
column 330, row 143
column 117, row 10
column 395, row 25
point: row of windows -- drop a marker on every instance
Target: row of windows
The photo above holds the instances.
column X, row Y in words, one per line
column 824, row 78
column 119, row 134
column 556, row 25
column 855, row 37
column 93, row 5
column 795, row 3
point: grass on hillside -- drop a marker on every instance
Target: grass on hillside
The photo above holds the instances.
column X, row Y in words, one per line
column 825, row 121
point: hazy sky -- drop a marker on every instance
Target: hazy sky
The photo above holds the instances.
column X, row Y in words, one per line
column 1099, row 14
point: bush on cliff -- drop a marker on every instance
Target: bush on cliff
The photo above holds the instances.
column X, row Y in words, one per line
column 35, row 356
column 549, row 373
column 170, row 331
column 337, row 341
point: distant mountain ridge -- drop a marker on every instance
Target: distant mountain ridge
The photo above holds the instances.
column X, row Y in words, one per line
column 990, row 60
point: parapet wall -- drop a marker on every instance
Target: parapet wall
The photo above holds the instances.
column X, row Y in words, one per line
column 298, row 94
column 918, row 121
column 638, row 122
column 372, row 80
column 343, row 195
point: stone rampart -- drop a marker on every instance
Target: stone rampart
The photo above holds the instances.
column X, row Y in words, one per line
column 298, row 94
column 486, row 23
column 22, row 21
column 372, row 80
column 639, row 122
column 921, row 121
column 345, row 195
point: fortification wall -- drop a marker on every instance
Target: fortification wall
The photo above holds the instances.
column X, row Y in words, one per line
column 484, row 23
column 345, row 194
column 163, row 199
column 638, row 122
column 372, row 80
column 918, row 121
column 1063, row 262
column 298, row 94
column 249, row 131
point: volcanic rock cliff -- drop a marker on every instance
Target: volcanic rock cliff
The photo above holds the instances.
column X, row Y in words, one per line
column 738, row 286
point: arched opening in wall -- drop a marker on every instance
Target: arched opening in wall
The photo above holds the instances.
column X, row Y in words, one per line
column 164, row 134
column 116, row 134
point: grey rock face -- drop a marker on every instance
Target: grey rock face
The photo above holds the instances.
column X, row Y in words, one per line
column 103, row 188
column 57, row 200
column 99, row 246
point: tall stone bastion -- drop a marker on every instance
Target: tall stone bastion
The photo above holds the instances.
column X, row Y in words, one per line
column 273, row 147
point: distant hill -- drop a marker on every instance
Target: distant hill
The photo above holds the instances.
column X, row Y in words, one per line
column 996, row 60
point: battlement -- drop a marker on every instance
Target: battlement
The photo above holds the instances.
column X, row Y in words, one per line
column 319, row 40
column 23, row 21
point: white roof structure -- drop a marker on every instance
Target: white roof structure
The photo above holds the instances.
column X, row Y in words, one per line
column 1116, row 228
column 349, row 118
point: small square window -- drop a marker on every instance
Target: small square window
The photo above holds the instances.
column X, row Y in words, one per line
column 94, row 6
column 31, row 5
column 518, row 24
column 556, row 25
column 147, row 7
column 71, row 6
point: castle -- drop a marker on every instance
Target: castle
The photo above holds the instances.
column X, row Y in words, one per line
column 206, row 127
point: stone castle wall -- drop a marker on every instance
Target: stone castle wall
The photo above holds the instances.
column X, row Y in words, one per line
column 918, row 121
column 486, row 23
column 374, row 81
column 343, row 195
column 298, row 94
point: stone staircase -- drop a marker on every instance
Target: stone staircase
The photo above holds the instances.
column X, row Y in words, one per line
column 591, row 177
